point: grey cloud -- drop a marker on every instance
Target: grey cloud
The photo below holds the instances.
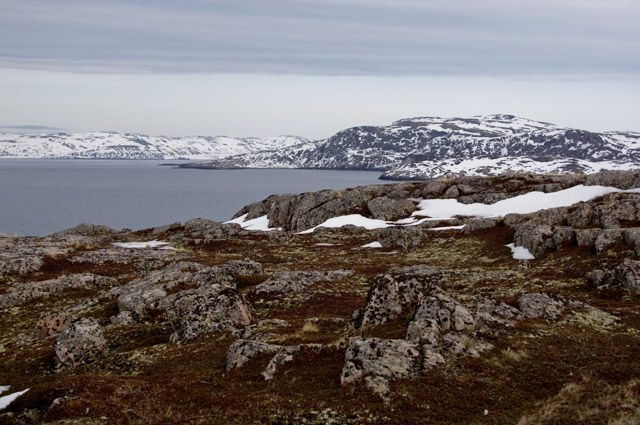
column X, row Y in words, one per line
column 324, row 37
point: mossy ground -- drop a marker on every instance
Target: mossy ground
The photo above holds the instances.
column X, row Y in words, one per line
column 145, row 379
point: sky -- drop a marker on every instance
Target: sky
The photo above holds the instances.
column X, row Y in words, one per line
column 313, row 67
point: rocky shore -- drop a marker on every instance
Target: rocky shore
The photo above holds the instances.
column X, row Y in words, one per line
column 412, row 318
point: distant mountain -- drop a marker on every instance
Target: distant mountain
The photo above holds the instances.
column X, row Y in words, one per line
column 110, row 145
column 428, row 147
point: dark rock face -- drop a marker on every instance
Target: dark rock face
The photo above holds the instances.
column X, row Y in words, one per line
column 390, row 202
column 301, row 212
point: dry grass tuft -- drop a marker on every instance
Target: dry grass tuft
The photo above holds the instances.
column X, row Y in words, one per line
column 590, row 402
column 514, row 355
column 310, row 327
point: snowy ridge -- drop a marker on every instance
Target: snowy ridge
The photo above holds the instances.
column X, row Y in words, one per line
column 110, row 145
column 428, row 147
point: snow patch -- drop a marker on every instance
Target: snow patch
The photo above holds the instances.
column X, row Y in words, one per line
column 520, row 252
column 260, row 224
column 462, row 226
column 351, row 219
column 522, row 204
column 8, row 399
column 142, row 245
column 375, row 244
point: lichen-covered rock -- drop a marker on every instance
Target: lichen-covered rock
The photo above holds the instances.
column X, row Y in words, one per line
column 482, row 224
column 494, row 314
column 244, row 350
column 619, row 179
column 141, row 297
column 51, row 323
column 393, row 292
column 123, row 318
column 19, row 264
column 607, row 238
column 424, row 331
column 384, row 208
column 624, row 276
column 211, row 308
column 449, row 314
column 143, row 259
column 298, row 281
column 81, row 342
column 239, row 268
column 536, row 238
column 587, row 237
column 400, row 237
column 540, row 238
column 376, row 361
column 26, row 292
column 85, row 229
column 537, row 305
column 209, row 230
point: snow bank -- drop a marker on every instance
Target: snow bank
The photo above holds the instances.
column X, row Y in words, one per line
column 351, row 219
column 141, row 245
column 8, row 399
column 520, row 252
column 375, row 244
column 448, row 228
column 260, row 224
column 522, row 204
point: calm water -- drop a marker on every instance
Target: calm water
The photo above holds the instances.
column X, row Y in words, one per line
column 38, row 197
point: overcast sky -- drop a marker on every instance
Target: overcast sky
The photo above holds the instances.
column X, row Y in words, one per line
column 312, row 67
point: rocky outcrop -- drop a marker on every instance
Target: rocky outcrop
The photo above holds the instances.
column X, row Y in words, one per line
column 51, row 323
column 141, row 297
column 198, row 231
column 397, row 291
column 207, row 309
column 298, row 281
column 307, row 210
column 194, row 298
column 545, row 306
column 19, row 264
column 84, row 229
column 441, row 328
column 376, row 361
column 82, row 342
column 243, row 351
column 401, row 237
column 31, row 291
column 390, row 202
column 625, row 276
column 599, row 224
column 385, row 208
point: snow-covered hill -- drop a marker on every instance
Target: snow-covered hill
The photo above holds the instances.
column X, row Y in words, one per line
column 429, row 147
column 109, row 145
